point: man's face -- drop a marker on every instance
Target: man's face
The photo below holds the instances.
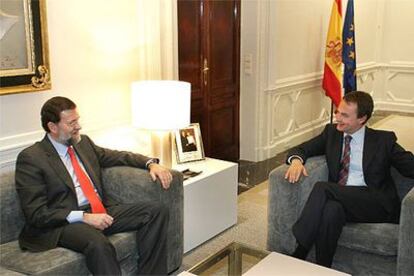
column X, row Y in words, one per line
column 346, row 117
column 67, row 128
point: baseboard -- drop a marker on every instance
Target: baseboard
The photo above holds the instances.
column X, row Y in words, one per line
column 253, row 173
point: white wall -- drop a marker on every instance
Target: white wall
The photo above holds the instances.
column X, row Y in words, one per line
column 397, row 56
column 283, row 98
column 94, row 57
column 97, row 48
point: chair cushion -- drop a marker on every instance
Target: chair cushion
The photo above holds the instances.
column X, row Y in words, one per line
column 59, row 261
column 376, row 238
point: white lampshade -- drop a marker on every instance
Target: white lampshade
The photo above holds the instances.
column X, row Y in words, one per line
column 161, row 105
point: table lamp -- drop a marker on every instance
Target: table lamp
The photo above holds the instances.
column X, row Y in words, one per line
column 161, row 106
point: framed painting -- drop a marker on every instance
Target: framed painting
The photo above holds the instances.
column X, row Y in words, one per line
column 189, row 144
column 24, row 55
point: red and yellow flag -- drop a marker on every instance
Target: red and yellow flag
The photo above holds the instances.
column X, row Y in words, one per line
column 332, row 74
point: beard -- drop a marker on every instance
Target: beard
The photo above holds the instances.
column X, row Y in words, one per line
column 74, row 140
column 69, row 140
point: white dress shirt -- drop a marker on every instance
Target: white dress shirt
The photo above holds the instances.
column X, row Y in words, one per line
column 62, row 150
column 356, row 173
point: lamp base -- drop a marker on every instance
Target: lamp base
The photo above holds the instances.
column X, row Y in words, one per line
column 162, row 147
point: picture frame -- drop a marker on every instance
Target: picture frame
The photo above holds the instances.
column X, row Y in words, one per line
column 189, row 144
column 24, row 55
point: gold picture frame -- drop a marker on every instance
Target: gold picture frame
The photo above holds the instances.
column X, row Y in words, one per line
column 24, row 55
column 189, row 144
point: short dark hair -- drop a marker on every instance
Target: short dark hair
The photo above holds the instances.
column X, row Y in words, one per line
column 52, row 108
column 364, row 102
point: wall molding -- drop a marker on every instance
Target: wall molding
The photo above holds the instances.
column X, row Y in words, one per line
column 375, row 77
column 273, row 142
column 11, row 146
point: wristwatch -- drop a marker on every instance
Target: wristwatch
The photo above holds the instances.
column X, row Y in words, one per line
column 152, row 161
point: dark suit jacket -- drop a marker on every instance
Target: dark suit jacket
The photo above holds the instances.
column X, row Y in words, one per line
column 46, row 191
column 381, row 151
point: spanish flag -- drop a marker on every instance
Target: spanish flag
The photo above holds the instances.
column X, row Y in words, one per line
column 332, row 74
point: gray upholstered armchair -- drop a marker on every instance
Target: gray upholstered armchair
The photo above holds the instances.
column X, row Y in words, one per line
column 363, row 248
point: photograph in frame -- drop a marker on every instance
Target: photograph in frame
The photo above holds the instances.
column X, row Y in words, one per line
column 189, row 144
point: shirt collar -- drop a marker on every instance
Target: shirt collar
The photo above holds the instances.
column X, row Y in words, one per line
column 61, row 149
column 358, row 136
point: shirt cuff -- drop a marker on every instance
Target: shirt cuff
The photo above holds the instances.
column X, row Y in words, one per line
column 290, row 159
column 75, row 216
column 151, row 161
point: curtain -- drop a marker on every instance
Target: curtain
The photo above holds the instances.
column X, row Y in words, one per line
column 158, row 46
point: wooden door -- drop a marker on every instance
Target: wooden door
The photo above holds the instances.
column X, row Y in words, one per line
column 209, row 58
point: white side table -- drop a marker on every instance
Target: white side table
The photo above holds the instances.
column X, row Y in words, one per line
column 210, row 200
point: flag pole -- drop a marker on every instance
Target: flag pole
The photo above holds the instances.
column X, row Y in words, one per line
column 332, row 112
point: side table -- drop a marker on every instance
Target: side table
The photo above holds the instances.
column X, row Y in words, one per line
column 210, row 200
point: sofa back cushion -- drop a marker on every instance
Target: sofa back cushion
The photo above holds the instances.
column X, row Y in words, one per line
column 403, row 184
column 11, row 215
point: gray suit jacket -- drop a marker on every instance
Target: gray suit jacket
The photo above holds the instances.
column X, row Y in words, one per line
column 46, row 191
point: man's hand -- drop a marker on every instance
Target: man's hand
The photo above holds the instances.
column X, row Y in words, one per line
column 164, row 175
column 99, row 221
column 296, row 169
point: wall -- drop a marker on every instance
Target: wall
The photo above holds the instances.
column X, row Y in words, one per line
column 282, row 98
column 94, row 48
column 97, row 48
column 282, row 104
column 397, row 56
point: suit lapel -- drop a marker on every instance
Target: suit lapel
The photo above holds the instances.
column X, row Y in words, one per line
column 56, row 163
column 370, row 145
column 336, row 153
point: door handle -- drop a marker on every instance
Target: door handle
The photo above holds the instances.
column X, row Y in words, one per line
column 205, row 71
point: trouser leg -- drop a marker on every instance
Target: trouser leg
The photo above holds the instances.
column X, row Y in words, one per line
column 99, row 253
column 321, row 223
column 332, row 222
column 306, row 227
column 150, row 220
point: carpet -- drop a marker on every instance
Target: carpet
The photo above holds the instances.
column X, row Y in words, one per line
column 403, row 126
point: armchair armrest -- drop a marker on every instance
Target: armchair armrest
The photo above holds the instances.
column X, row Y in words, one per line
column 5, row 272
column 286, row 201
column 129, row 185
column 405, row 261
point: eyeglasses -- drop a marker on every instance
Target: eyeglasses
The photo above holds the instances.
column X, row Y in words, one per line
column 73, row 123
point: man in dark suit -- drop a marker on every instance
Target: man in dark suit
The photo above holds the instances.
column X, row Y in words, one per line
column 58, row 181
column 359, row 188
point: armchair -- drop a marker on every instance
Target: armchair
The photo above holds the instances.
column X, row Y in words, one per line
column 363, row 248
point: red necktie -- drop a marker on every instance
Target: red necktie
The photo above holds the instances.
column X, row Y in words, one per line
column 86, row 185
column 346, row 157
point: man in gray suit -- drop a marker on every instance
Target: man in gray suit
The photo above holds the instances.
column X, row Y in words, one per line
column 58, row 181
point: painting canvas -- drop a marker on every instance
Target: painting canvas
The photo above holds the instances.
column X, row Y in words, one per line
column 24, row 59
